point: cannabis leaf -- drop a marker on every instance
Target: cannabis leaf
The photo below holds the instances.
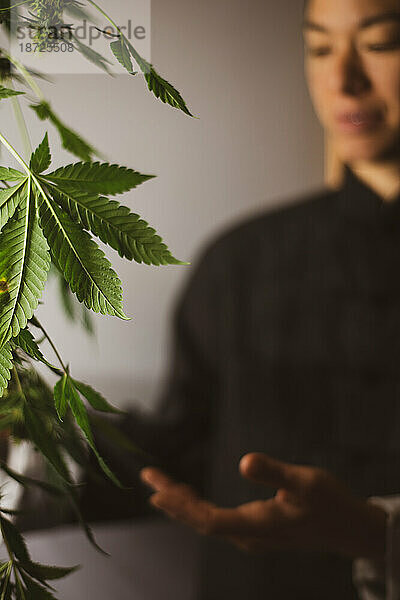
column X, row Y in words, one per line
column 14, row 538
column 122, row 54
column 71, row 141
column 96, row 400
column 41, row 158
column 99, row 178
column 30, row 578
column 44, row 442
column 47, row 572
column 163, row 90
column 27, row 343
column 8, row 174
column 5, row 367
column 116, row 226
column 91, row 55
column 66, row 394
column 8, row 93
column 29, row 481
column 9, row 200
column 84, row 265
column 51, row 214
column 66, row 296
column 24, row 265
column 160, row 87
column 70, row 303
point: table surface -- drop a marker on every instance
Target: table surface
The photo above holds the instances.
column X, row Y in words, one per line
column 149, row 560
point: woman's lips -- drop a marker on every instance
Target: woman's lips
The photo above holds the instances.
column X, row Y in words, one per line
column 358, row 121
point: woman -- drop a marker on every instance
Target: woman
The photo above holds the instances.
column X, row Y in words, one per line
column 297, row 353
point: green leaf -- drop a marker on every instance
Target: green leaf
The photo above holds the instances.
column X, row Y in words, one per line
column 66, row 297
column 84, row 265
column 116, row 226
column 85, row 526
column 9, row 174
column 5, row 367
column 9, row 200
column 46, row 572
column 35, row 590
column 12, row 513
column 160, row 87
column 163, row 90
column 26, row 342
column 71, row 141
column 96, row 400
column 7, row 93
column 44, row 442
column 14, row 539
column 29, row 481
column 91, row 55
column 60, row 397
column 97, row 178
column 122, row 54
column 80, row 413
column 69, row 303
column 41, row 158
column 24, row 265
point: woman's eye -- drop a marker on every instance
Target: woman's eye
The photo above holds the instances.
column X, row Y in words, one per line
column 323, row 51
column 385, row 47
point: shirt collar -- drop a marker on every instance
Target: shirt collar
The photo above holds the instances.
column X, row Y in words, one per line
column 358, row 200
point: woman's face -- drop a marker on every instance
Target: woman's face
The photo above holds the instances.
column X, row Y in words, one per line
column 353, row 72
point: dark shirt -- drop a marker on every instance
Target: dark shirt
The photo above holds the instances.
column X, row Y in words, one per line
column 287, row 341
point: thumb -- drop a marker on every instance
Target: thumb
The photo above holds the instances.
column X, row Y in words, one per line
column 261, row 468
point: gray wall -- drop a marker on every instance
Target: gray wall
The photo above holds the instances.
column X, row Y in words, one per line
column 256, row 144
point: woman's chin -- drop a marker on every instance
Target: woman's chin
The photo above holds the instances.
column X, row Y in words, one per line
column 352, row 150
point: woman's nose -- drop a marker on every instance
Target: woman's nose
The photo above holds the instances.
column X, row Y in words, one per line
column 348, row 74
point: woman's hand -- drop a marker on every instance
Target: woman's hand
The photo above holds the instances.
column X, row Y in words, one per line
column 311, row 510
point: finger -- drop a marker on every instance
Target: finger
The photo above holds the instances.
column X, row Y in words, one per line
column 156, row 478
column 253, row 519
column 186, row 507
column 274, row 473
column 260, row 518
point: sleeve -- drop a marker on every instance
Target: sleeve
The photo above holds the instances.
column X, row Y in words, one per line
column 178, row 434
column 382, row 581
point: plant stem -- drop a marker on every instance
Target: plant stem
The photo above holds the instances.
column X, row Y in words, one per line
column 6, row 579
column 105, row 15
column 23, row 164
column 19, row 116
column 15, row 154
column 46, row 335
column 143, row 65
column 18, row 581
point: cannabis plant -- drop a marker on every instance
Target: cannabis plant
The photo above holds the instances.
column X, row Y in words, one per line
column 49, row 221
